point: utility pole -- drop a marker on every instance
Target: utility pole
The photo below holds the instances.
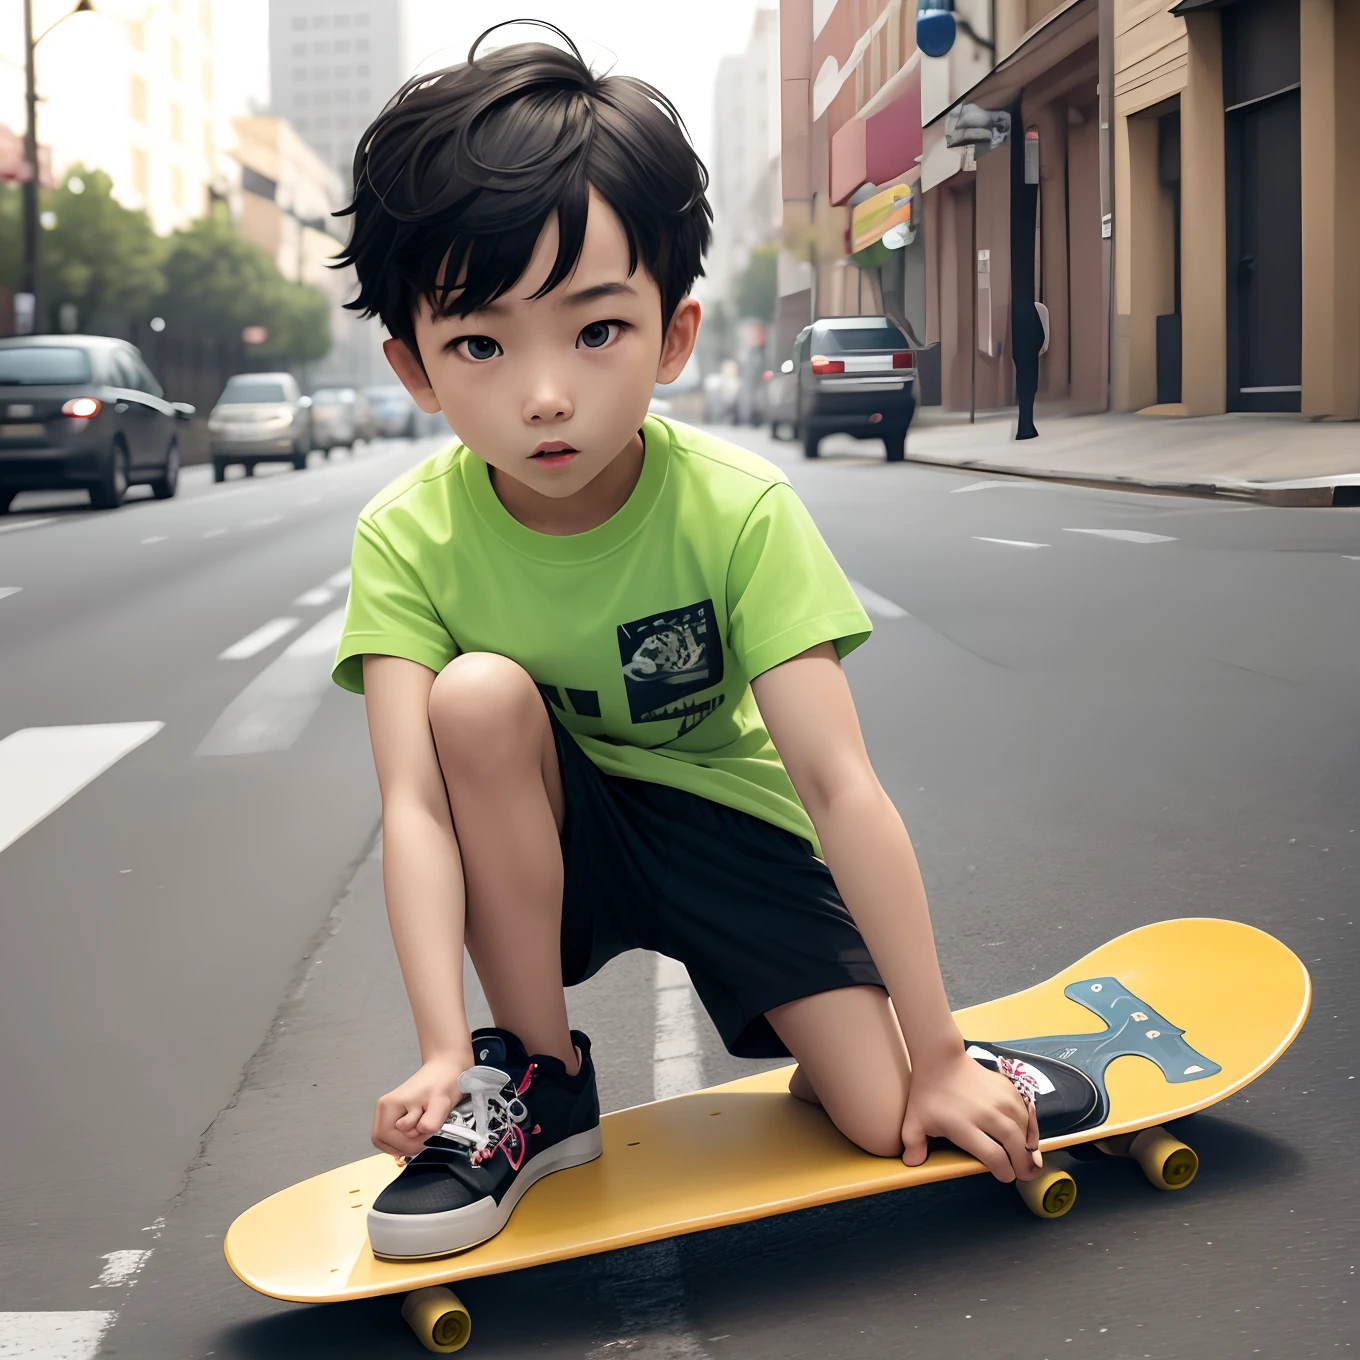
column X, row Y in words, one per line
column 31, row 241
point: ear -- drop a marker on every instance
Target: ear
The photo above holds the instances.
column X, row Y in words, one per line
column 678, row 344
column 409, row 369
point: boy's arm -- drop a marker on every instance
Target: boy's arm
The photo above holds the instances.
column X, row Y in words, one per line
column 423, row 884
column 807, row 708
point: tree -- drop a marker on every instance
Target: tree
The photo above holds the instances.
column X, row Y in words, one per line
column 757, row 292
column 99, row 255
column 217, row 284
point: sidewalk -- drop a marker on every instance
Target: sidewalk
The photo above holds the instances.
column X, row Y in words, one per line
column 1278, row 459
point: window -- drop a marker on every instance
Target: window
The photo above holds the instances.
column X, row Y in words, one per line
column 361, row 21
column 322, row 97
column 300, row 49
column 322, row 73
column 250, row 391
column 300, row 99
column 20, row 367
column 321, row 21
column 361, row 69
column 321, row 48
column 342, row 96
column 177, row 186
column 299, row 23
column 299, row 73
column 361, row 95
column 176, row 63
column 342, row 46
column 137, row 99
column 139, row 177
column 342, row 73
column 361, row 44
column 176, row 123
column 301, row 124
column 342, row 21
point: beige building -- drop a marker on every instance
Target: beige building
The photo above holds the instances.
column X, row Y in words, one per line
column 282, row 197
column 127, row 88
column 1237, row 206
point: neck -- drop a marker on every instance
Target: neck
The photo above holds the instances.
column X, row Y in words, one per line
column 599, row 500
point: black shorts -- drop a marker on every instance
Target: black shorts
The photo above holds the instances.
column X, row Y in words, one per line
column 746, row 906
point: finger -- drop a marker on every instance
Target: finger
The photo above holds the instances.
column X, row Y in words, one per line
column 409, row 1118
column 1032, row 1137
column 974, row 1141
column 1011, row 1138
column 914, row 1146
column 431, row 1121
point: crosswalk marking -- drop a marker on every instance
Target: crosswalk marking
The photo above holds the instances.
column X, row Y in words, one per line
column 54, row 1336
column 272, row 711
column 254, row 643
column 42, row 767
column 1124, row 535
column 318, row 595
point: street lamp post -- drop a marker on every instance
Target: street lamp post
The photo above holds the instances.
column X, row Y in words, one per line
column 32, row 239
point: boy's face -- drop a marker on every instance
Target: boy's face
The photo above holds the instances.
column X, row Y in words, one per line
column 551, row 390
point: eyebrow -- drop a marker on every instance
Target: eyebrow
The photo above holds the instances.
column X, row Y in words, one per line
column 577, row 299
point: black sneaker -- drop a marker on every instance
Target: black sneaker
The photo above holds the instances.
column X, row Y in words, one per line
column 521, row 1119
column 1065, row 1099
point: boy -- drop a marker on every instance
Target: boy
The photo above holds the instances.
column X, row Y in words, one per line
column 601, row 660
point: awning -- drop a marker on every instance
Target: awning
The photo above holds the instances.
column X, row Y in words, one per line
column 883, row 141
column 1042, row 48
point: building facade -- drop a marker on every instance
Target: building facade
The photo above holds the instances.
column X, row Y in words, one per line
column 132, row 96
column 333, row 64
column 1198, row 180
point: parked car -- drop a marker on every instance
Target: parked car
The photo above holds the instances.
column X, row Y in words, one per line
column 781, row 401
column 394, row 412
column 84, row 411
column 260, row 418
column 335, row 419
column 365, row 416
column 720, row 393
column 854, row 375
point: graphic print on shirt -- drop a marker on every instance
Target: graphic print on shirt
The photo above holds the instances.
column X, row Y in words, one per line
column 668, row 657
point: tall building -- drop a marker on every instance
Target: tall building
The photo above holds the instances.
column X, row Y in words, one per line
column 744, row 168
column 130, row 96
column 333, row 64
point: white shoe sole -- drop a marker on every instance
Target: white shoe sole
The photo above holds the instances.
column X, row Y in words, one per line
column 408, row 1237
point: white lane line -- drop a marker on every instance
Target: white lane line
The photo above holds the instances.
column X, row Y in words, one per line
column 1349, row 558
column 42, row 767
column 319, row 595
column 339, row 581
column 7, row 591
column 26, row 524
column 272, row 711
column 987, row 486
column 254, row 643
column 54, row 1336
column 213, row 533
column 262, row 521
column 676, row 1049
column 1010, row 542
column 155, row 538
column 119, row 1269
column 1124, row 535
column 877, row 604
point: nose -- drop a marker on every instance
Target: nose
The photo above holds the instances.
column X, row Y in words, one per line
column 547, row 403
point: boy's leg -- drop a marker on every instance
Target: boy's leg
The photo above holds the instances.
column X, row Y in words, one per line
column 852, row 1061
column 499, row 760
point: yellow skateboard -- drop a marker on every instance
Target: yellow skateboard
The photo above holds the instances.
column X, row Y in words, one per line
column 1166, row 1020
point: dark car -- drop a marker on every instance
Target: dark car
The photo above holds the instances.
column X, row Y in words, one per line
column 854, row 375
column 84, row 411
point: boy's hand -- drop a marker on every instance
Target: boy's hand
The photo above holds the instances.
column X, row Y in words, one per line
column 980, row 1112
column 404, row 1118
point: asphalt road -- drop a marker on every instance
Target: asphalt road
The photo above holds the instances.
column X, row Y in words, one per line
column 1093, row 709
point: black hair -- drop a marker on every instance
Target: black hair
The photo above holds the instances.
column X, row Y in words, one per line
column 466, row 164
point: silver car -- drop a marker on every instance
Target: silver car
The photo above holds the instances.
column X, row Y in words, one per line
column 394, row 412
column 335, row 418
column 260, row 418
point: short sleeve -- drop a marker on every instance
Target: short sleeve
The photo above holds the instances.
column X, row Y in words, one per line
column 785, row 591
column 389, row 612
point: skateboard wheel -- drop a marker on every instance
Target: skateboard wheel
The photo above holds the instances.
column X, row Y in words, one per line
column 1165, row 1160
column 1051, row 1195
column 438, row 1319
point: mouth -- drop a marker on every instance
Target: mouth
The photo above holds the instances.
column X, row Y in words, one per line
column 554, row 453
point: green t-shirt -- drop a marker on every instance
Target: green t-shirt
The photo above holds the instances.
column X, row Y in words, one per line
column 643, row 634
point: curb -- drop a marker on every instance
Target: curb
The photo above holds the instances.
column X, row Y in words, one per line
column 1318, row 491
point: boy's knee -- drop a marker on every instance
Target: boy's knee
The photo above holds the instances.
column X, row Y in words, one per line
column 482, row 707
column 877, row 1132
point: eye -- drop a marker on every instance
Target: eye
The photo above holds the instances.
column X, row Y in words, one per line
column 478, row 348
column 598, row 334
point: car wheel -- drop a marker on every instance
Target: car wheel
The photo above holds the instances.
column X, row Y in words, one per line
column 219, row 470
column 164, row 486
column 895, row 442
column 6, row 499
column 299, row 459
column 811, row 439
column 248, row 468
column 108, row 492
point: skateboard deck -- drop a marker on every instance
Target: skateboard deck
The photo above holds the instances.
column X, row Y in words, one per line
column 1166, row 1020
